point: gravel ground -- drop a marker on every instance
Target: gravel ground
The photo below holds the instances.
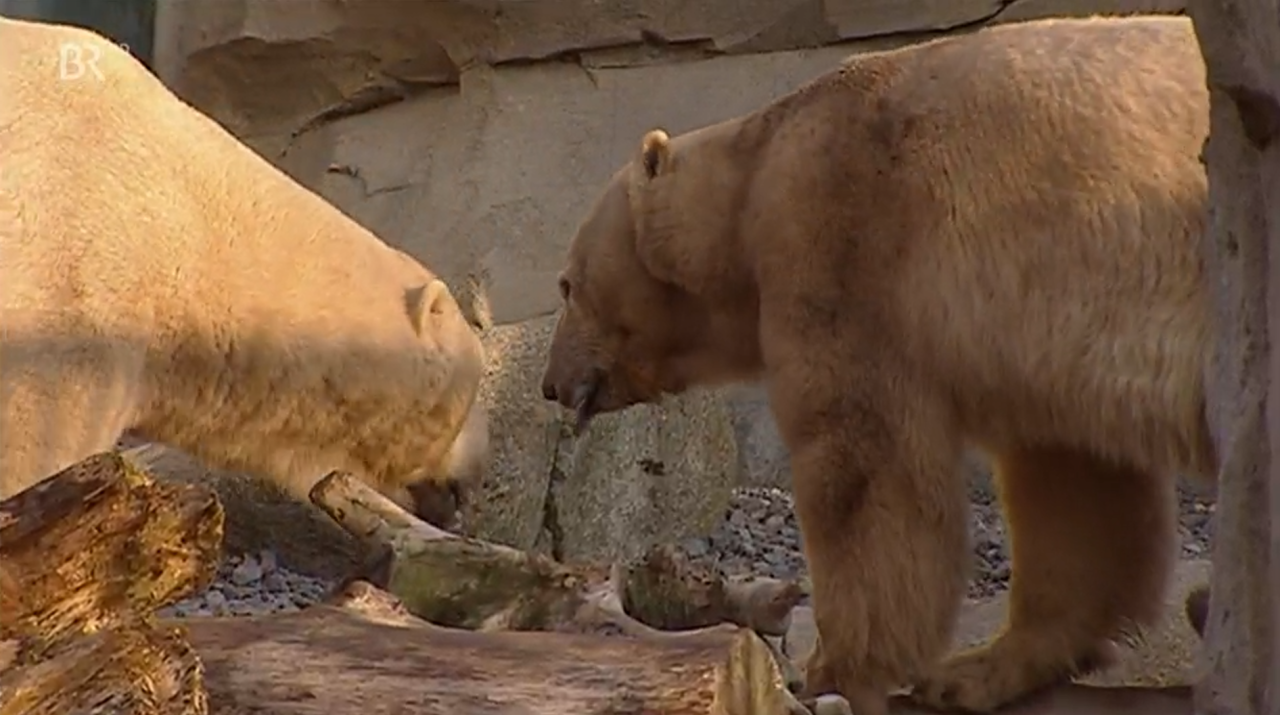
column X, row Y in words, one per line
column 252, row 584
column 759, row 536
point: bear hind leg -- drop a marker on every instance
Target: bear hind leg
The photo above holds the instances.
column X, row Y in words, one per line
column 1092, row 546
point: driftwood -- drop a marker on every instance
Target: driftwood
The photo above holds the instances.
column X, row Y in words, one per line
column 85, row 557
column 462, row 582
column 364, row 653
column 133, row 668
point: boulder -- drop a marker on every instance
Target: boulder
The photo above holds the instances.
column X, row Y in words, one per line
column 650, row 474
column 763, row 459
column 524, row 429
column 646, row 475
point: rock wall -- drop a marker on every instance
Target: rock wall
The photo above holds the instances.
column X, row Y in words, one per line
column 475, row 135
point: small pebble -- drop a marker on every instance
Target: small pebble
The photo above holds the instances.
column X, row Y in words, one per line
column 275, row 582
column 696, row 547
column 215, row 599
column 249, row 571
column 267, row 560
column 251, row 585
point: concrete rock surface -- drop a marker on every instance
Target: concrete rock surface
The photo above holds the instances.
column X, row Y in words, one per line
column 648, row 474
column 524, row 429
column 475, row 135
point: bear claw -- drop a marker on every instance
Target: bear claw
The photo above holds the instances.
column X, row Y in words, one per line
column 973, row 682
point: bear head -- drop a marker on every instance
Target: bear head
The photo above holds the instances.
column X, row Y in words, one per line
column 441, row 501
column 655, row 298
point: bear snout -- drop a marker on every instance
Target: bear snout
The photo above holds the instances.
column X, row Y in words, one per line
column 581, row 395
column 439, row 503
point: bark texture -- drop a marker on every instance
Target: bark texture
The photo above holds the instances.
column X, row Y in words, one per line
column 85, row 557
column 1241, row 43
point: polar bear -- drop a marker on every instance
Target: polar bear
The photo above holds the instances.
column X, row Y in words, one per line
column 157, row 276
column 987, row 240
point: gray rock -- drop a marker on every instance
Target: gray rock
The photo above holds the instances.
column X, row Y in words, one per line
column 763, row 458
column 696, row 547
column 247, row 572
column 275, row 582
column 642, row 476
column 267, row 560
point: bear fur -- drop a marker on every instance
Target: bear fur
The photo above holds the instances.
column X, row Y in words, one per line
column 158, row 276
column 989, row 240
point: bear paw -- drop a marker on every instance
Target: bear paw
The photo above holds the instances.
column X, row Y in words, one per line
column 977, row 681
column 982, row 679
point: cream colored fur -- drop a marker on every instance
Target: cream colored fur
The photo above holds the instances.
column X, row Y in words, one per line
column 987, row 240
column 158, row 276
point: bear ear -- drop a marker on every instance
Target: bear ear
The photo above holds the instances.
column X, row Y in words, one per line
column 655, row 151
column 427, row 301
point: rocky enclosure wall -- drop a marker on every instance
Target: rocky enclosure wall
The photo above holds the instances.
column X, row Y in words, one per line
column 475, row 134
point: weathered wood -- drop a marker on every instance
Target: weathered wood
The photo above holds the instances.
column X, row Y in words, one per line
column 365, row 654
column 1240, row 41
column 95, row 544
column 134, row 669
column 461, row 582
column 666, row 591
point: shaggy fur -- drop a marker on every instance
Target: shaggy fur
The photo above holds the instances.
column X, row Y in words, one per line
column 160, row 277
column 987, row 240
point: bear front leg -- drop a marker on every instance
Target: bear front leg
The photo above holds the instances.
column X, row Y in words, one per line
column 1092, row 544
column 883, row 517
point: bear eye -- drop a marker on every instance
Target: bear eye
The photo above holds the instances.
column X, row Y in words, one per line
column 564, row 289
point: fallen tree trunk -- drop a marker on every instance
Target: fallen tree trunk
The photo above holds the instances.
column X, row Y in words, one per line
column 97, row 543
column 135, row 668
column 364, row 653
column 467, row 583
column 85, row 557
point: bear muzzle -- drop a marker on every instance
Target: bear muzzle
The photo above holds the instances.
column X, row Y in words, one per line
column 583, row 397
column 440, row 504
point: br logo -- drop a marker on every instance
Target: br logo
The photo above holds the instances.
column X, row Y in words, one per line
column 77, row 60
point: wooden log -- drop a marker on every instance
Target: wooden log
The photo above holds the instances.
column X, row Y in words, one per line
column 462, row 582
column 134, row 669
column 365, row 654
column 95, row 544
column 85, row 556
column 666, row 591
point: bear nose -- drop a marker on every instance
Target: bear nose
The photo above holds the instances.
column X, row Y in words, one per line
column 549, row 390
